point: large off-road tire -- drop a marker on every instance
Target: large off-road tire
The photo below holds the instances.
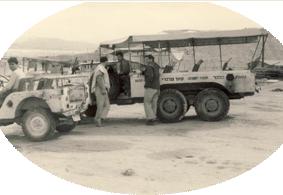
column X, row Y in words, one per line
column 65, row 127
column 212, row 104
column 38, row 124
column 172, row 106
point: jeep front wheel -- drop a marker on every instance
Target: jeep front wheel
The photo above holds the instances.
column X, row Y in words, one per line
column 172, row 106
column 38, row 125
column 212, row 104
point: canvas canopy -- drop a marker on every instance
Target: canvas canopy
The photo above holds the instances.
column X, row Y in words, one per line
column 197, row 38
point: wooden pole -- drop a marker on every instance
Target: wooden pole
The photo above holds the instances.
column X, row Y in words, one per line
column 129, row 50
column 169, row 52
column 160, row 54
column 220, row 52
column 194, row 52
column 23, row 64
column 99, row 53
column 262, row 51
column 143, row 53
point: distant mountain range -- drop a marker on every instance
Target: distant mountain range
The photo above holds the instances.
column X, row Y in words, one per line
column 51, row 44
column 69, row 50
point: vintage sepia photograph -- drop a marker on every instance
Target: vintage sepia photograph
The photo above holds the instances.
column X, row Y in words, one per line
column 144, row 98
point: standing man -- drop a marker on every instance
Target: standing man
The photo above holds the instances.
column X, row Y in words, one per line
column 151, row 89
column 100, row 86
column 13, row 83
column 123, row 70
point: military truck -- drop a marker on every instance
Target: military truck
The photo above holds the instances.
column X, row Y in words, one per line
column 44, row 103
column 208, row 91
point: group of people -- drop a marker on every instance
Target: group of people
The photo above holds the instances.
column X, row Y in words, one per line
column 101, row 86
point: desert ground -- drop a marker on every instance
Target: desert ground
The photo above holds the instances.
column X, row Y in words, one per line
column 128, row 157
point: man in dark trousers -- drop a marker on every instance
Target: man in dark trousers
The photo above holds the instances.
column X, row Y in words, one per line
column 151, row 89
column 123, row 70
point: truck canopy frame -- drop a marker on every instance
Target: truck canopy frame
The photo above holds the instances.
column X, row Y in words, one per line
column 191, row 39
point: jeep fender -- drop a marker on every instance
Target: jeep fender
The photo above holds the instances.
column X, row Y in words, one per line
column 30, row 103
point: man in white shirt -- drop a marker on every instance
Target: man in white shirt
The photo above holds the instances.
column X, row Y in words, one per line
column 100, row 87
column 13, row 83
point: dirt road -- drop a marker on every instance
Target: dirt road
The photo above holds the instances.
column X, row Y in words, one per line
column 128, row 157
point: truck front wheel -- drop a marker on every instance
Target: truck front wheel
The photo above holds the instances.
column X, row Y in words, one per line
column 172, row 106
column 212, row 104
column 38, row 124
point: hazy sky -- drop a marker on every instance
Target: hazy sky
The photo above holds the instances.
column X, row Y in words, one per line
column 96, row 22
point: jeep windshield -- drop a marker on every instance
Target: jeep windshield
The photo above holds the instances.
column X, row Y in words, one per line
column 187, row 51
column 50, row 81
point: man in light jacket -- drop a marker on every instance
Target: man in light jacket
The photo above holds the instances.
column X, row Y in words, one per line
column 100, row 87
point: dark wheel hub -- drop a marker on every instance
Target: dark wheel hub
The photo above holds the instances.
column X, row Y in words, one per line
column 211, row 105
column 170, row 105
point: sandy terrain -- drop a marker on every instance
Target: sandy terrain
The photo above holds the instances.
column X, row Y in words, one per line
column 128, row 157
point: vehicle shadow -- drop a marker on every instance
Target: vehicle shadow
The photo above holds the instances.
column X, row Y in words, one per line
column 137, row 126
column 86, row 137
column 128, row 127
column 23, row 139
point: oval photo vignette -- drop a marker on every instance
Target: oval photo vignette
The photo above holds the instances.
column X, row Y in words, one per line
column 218, row 99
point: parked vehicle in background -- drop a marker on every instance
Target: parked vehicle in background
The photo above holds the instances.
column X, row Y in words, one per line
column 271, row 69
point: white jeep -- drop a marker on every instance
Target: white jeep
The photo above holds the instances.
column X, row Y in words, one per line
column 44, row 103
column 208, row 91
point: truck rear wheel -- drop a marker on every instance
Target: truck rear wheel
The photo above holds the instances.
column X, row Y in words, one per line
column 38, row 124
column 172, row 106
column 212, row 104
